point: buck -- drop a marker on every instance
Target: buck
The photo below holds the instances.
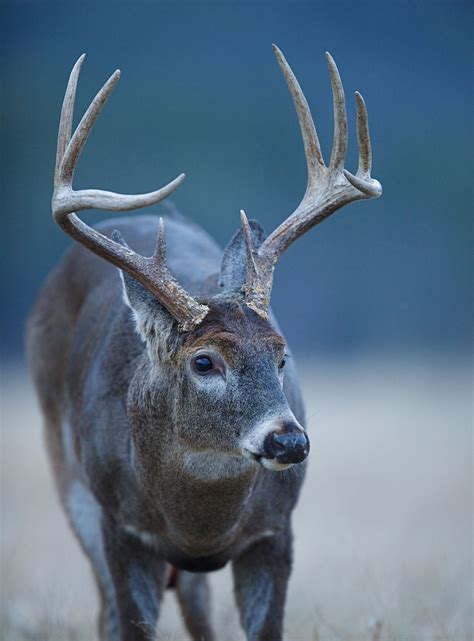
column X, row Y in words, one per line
column 174, row 420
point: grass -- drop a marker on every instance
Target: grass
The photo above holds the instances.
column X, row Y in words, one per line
column 382, row 531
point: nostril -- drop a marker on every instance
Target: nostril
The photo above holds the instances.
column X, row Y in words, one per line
column 271, row 446
column 278, row 443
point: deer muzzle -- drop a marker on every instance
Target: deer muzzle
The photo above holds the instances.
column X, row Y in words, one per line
column 287, row 446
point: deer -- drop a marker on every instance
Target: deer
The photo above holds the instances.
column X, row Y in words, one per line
column 174, row 419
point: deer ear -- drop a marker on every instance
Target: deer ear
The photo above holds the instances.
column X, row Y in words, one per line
column 151, row 318
column 234, row 262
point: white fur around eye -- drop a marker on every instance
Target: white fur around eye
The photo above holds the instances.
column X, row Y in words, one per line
column 216, row 374
column 213, row 384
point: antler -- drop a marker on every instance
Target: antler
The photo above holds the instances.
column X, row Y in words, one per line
column 151, row 272
column 329, row 187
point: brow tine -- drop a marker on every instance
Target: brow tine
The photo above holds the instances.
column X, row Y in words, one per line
column 249, row 245
column 339, row 147
column 84, row 128
column 159, row 255
column 363, row 137
column 312, row 148
column 67, row 113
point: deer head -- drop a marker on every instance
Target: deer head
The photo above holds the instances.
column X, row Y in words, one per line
column 216, row 360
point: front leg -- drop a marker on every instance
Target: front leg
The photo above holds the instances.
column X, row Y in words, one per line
column 138, row 575
column 261, row 575
column 193, row 596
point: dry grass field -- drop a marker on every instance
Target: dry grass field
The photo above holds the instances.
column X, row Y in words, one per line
column 383, row 528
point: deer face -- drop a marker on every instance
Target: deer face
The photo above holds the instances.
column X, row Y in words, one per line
column 232, row 399
column 224, row 382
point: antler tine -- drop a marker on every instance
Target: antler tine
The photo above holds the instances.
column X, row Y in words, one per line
column 67, row 200
column 84, row 128
column 329, row 188
column 151, row 272
column 312, row 148
column 67, row 113
column 362, row 180
column 258, row 300
column 338, row 154
column 363, row 137
column 160, row 251
column 249, row 245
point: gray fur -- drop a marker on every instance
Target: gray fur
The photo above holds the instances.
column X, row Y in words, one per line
column 161, row 454
column 193, row 596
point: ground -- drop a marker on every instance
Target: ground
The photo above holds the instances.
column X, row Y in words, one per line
column 382, row 531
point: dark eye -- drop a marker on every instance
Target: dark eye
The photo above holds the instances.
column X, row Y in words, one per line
column 202, row 364
column 282, row 363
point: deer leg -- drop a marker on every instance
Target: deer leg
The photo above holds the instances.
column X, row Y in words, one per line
column 261, row 575
column 192, row 591
column 85, row 516
column 138, row 575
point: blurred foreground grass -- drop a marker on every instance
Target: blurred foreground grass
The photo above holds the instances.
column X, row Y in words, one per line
column 383, row 528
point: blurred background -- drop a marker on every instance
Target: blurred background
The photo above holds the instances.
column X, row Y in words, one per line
column 376, row 302
column 202, row 93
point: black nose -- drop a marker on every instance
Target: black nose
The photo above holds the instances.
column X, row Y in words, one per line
column 287, row 445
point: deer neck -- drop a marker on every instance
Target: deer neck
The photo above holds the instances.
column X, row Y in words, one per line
column 203, row 498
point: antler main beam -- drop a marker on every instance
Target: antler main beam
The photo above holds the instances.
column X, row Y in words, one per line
column 328, row 189
column 151, row 272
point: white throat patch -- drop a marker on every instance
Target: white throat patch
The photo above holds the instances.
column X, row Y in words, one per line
column 214, row 466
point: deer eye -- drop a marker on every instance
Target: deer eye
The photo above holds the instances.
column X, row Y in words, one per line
column 282, row 363
column 202, row 364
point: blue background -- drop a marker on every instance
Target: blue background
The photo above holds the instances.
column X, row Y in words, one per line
column 201, row 93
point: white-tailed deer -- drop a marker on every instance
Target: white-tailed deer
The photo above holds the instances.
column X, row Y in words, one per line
column 171, row 407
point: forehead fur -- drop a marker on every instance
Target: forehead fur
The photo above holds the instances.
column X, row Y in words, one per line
column 231, row 324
